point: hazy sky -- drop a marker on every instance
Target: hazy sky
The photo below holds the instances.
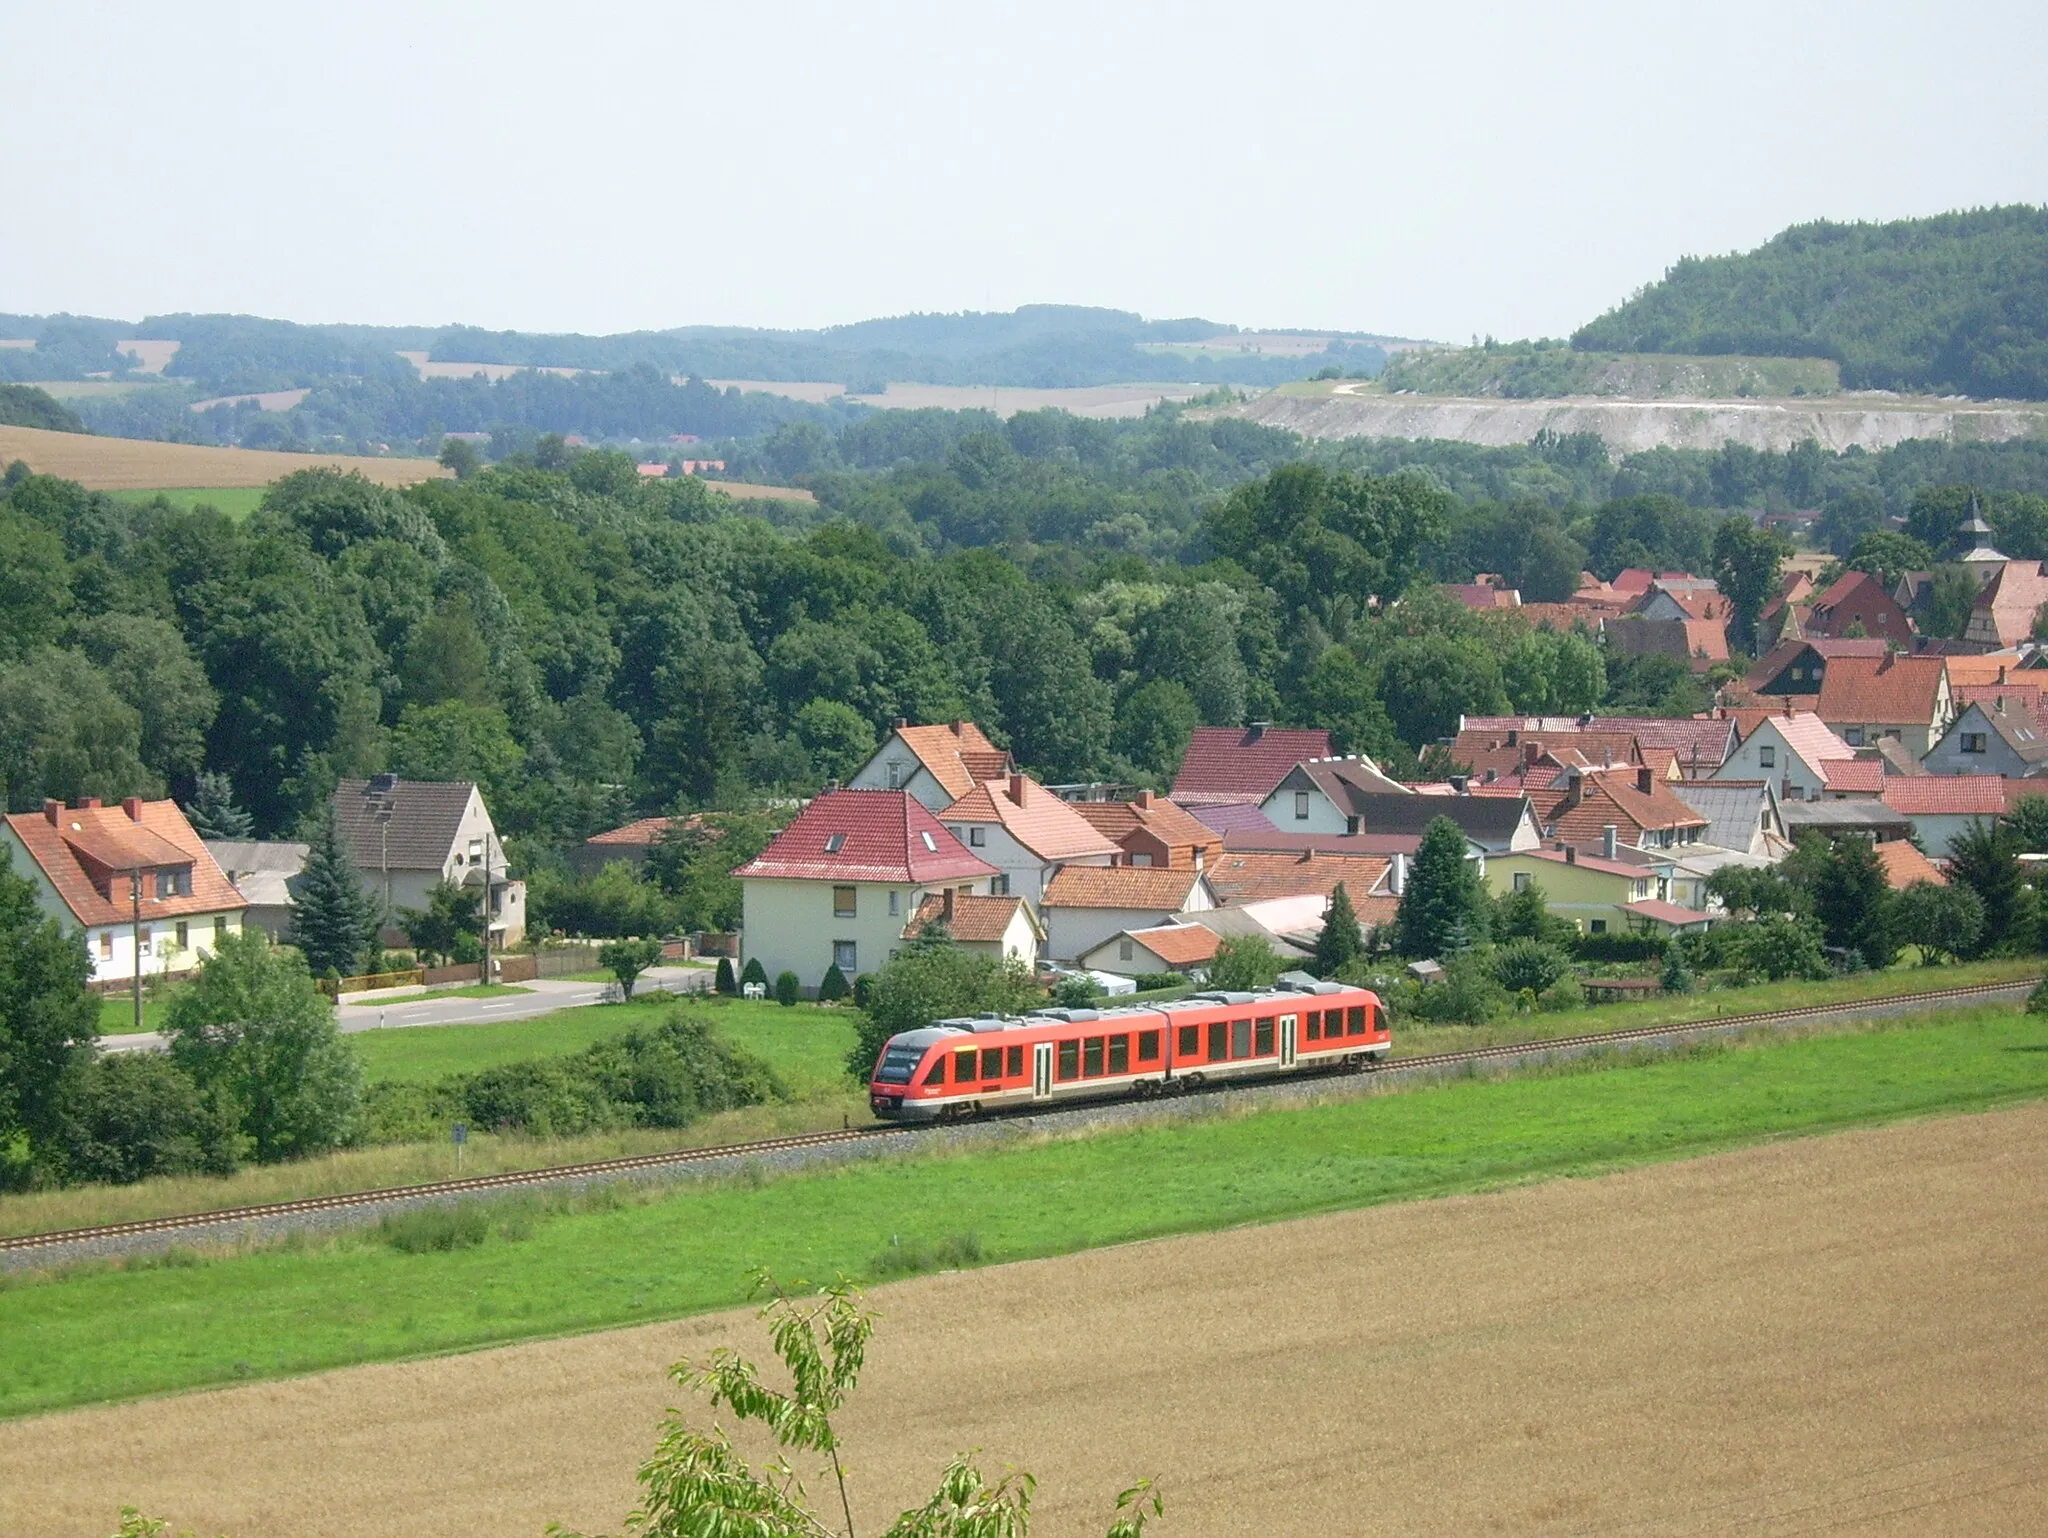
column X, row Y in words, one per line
column 1430, row 170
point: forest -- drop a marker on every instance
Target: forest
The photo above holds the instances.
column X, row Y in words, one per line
column 1956, row 303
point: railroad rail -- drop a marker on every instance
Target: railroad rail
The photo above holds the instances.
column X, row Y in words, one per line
column 599, row 1169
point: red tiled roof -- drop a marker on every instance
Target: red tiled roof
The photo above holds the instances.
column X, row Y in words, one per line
column 1161, row 887
column 975, row 920
column 87, row 850
column 1987, row 668
column 1181, row 945
column 957, row 753
column 1119, row 821
column 1591, row 862
column 1036, row 818
column 1229, row 763
column 1252, row 875
column 1854, row 774
column 1580, row 817
column 1663, row 912
column 1892, row 690
column 1484, row 748
column 2006, row 608
column 647, row 830
column 885, row 835
column 1904, row 865
column 1948, row 795
column 1483, row 596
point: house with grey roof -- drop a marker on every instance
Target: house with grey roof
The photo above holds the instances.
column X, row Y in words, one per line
column 1990, row 738
column 266, row 873
column 1341, row 797
column 1742, row 815
column 407, row 836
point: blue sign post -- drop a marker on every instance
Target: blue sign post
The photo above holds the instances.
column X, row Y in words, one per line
column 461, row 1136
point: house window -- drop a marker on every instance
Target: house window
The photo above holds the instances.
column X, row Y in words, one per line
column 999, row 886
column 106, row 945
column 1853, row 736
column 1597, row 926
column 834, row 842
column 977, row 837
column 845, row 956
column 142, row 943
column 1123, row 950
column 1141, row 859
column 476, row 851
column 930, row 845
column 1521, row 881
column 1301, row 806
column 220, row 927
column 895, row 774
column 895, row 904
column 1767, row 756
column 843, row 902
column 174, row 883
column 184, row 935
column 1973, row 742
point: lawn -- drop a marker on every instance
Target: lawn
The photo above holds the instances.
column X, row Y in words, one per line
column 111, row 1333
column 806, row 1045
column 238, row 502
column 117, row 1014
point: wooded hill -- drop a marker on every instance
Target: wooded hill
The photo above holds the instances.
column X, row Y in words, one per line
column 1953, row 304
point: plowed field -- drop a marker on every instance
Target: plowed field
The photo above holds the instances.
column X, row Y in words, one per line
column 119, row 464
column 1845, row 1334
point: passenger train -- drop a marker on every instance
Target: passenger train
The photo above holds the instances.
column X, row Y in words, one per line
column 962, row 1067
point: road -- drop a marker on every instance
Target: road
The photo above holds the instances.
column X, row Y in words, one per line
column 542, row 997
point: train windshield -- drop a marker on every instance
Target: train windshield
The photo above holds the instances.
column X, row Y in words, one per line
column 897, row 1064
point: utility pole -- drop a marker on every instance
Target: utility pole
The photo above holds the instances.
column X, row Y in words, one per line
column 135, row 939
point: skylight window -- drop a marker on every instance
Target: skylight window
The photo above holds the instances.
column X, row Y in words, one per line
column 834, row 842
column 929, row 845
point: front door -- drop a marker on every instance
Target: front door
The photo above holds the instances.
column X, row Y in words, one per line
column 1287, row 1041
column 1041, row 1070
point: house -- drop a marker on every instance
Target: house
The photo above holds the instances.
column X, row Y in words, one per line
column 936, row 764
column 1942, row 807
column 1742, row 815
column 1797, row 666
column 1086, row 904
column 1228, row 763
column 1698, row 643
column 1863, row 699
column 2009, row 604
column 630, row 843
column 1001, row 928
column 1682, row 596
column 1859, row 817
column 1792, row 751
column 1026, row 832
column 1487, row 593
column 405, row 837
column 1248, row 876
column 1151, row 830
column 1160, row 948
column 1698, row 745
column 267, row 876
column 1642, row 809
column 837, row 886
column 1856, row 605
column 1991, row 739
column 1903, row 865
column 1499, row 752
column 1594, row 893
column 1231, row 817
column 134, row 879
column 1330, row 798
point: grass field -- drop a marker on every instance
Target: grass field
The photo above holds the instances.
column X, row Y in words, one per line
column 120, row 464
column 117, row 1014
column 111, row 1333
column 238, row 502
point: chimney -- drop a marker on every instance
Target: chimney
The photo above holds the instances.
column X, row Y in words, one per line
column 898, row 723
column 1017, row 788
column 1643, row 779
column 1571, row 854
column 132, row 805
column 946, row 906
column 2000, row 702
column 87, row 804
column 1143, row 800
column 1607, row 840
column 1255, row 731
column 1397, row 874
column 1307, row 855
column 50, row 810
column 959, row 728
column 1531, row 751
column 1460, row 785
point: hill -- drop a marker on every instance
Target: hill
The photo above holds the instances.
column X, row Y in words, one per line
column 1952, row 304
column 26, row 406
column 1536, row 370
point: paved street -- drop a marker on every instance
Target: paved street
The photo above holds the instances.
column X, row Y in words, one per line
column 543, row 997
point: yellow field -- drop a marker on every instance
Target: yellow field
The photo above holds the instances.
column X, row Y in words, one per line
column 1119, row 400
column 1839, row 1334
column 121, row 464
column 748, row 491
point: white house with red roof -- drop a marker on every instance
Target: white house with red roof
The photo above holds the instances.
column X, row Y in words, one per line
column 1941, row 807
column 1027, row 833
column 135, row 878
column 1792, row 751
column 837, row 886
column 1001, row 928
column 937, row 764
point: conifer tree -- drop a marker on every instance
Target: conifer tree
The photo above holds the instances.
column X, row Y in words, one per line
column 1341, row 942
column 335, row 919
column 212, row 810
column 1442, row 910
column 725, row 982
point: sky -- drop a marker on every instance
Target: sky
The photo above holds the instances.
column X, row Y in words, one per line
column 1438, row 171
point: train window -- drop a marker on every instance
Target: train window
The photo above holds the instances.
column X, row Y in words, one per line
column 1148, row 1046
column 1120, row 1054
column 1262, row 1040
column 963, row 1066
column 937, row 1073
column 1219, row 1040
column 1354, row 1020
column 1240, row 1038
column 991, row 1062
column 1091, row 1057
column 1315, row 1025
column 1190, row 1042
column 1013, row 1068
column 1070, row 1060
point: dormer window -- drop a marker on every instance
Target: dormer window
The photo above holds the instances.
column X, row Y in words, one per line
column 834, row 842
column 174, row 881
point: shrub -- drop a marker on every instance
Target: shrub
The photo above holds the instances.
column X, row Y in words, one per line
column 788, row 989
column 426, row 1230
column 725, row 982
column 2037, row 1001
column 1618, row 947
column 1467, row 995
column 1566, row 993
column 832, row 987
column 952, row 1253
column 1149, row 982
column 864, row 990
column 1677, row 976
column 137, row 1114
column 627, row 959
column 754, row 973
column 1075, row 991
column 1781, row 947
column 1528, row 964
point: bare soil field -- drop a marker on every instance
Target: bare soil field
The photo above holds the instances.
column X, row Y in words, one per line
column 816, row 391
column 491, row 371
column 747, row 491
column 1841, row 1334
column 122, row 464
column 151, row 356
column 1120, row 400
column 267, row 400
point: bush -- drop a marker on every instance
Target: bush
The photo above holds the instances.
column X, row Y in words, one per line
column 1618, row 947
column 1677, row 976
column 2037, row 1001
column 788, row 989
column 1076, row 991
column 863, row 990
column 627, row 959
column 137, row 1114
column 1781, row 947
column 1529, row 964
column 953, row 1253
column 427, row 1230
column 832, row 987
column 754, row 973
column 1467, row 994
column 1566, row 993
column 1150, row 982
column 725, row 982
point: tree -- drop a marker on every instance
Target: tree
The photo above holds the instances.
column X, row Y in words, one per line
column 148, row 664
column 627, row 959
column 48, row 1022
column 1340, row 942
column 1950, row 598
column 460, row 455
column 1746, row 561
column 837, row 740
column 934, row 981
column 832, row 986
column 256, row 1035
column 2026, row 819
column 1677, row 975
column 1444, row 902
column 1888, row 555
column 1983, row 859
column 212, row 810
column 334, row 919
column 447, row 659
column 755, row 975
column 1945, row 921
column 788, row 989
column 696, row 1484
column 139, row 1115
column 1529, row 965
column 725, row 982
column 1780, row 947
column 1154, row 726
column 1853, row 902
column 450, row 927
column 65, row 732
column 1524, row 914
column 1243, row 963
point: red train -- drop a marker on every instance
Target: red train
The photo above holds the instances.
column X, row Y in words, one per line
column 960, row 1067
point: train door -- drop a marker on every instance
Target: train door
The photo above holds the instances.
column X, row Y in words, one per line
column 1041, row 1070
column 1287, row 1026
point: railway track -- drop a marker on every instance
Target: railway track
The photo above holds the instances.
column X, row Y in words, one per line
column 480, row 1185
